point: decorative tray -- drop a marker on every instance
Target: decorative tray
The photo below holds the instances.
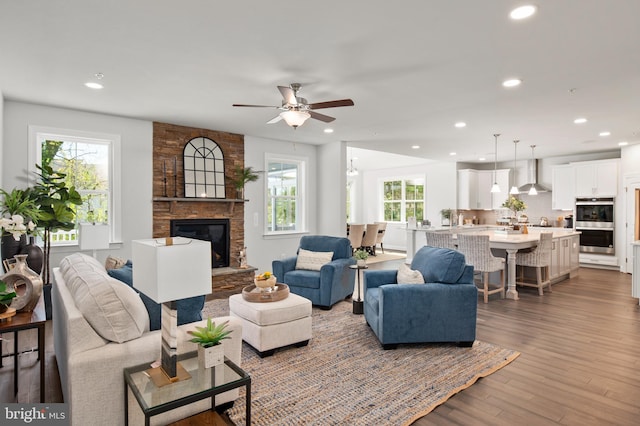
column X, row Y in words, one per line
column 253, row 294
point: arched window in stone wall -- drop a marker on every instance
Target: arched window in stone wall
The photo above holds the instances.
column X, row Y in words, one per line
column 203, row 169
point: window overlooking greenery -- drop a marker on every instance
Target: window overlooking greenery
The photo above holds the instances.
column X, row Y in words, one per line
column 403, row 198
column 86, row 162
column 284, row 201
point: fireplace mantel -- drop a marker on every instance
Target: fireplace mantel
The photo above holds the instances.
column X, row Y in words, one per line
column 174, row 200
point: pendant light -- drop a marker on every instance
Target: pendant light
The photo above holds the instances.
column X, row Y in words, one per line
column 495, row 188
column 352, row 171
column 514, row 188
column 533, row 190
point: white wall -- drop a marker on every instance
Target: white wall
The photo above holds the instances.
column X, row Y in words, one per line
column 261, row 249
column 441, row 184
column 136, row 148
column 332, row 193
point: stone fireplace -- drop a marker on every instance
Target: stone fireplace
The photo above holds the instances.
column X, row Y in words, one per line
column 216, row 231
column 171, row 206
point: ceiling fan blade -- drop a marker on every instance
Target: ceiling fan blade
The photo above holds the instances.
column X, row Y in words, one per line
column 332, row 104
column 275, row 119
column 288, row 95
column 256, row 106
column 321, row 117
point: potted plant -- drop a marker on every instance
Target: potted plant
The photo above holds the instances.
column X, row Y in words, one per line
column 515, row 205
column 446, row 216
column 18, row 217
column 241, row 176
column 361, row 257
column 6, row 297
column 209, row 340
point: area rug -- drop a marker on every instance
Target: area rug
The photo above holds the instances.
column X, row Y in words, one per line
column 384, row 257
column 344, row 377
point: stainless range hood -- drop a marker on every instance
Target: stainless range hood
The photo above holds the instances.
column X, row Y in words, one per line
column 532, row 178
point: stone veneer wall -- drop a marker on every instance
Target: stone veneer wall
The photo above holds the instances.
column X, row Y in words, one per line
column 168, row 142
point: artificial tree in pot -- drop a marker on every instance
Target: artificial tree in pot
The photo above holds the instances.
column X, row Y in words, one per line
column 56, row 201
column 243, row 175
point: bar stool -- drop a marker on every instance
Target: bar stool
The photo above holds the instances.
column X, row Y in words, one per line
column 477, row 252
column 440, row 239
column 539, row 258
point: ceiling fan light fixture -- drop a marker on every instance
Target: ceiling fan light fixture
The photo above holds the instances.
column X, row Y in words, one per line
column 295, row 118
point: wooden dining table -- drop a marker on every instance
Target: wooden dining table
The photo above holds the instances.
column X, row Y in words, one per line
column 511, row 243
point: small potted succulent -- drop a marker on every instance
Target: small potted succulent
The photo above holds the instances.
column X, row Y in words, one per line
column 209, row 340
column 6, row 297
column 361, row 256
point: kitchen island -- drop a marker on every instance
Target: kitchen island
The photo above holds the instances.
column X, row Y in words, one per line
column 564, row 252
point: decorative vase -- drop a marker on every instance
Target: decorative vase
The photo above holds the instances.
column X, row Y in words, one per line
column 25, row 282
column 211, row 356
column 361, row 262
column 34, row 255
column 10, row 247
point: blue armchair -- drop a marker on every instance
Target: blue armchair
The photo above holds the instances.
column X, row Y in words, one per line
column 328, row 286
column 442, row 310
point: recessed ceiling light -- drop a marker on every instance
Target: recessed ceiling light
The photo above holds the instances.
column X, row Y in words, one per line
column 328, row 130
column 93, row 85
column 415, row 147
column 452, row 153
column 461, row 124
column 523, row 12
column 605, row 133
column 623, row 143
column 482, row 159
column 580, row 120
column 512, row 82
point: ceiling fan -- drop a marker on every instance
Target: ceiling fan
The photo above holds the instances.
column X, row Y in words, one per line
column 296, row 110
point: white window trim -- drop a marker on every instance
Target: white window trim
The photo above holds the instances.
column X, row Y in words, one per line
column 114, row 140
column 403, row 208
column 303, row 191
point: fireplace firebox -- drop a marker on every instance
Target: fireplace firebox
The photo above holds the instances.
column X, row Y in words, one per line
column 215, row 231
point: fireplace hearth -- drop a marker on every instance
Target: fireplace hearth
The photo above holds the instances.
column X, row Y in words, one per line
column 215, row 231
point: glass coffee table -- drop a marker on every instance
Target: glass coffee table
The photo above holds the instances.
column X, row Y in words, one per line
column 203, row 384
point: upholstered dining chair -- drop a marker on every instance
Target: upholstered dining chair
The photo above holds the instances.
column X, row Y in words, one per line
column 477, row 253
column 369, row 239
column 356, row 232
column 539, row 258
column 440, row 239
column 382, row 228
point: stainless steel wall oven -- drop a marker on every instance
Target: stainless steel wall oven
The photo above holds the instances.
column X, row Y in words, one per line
column 595, row 220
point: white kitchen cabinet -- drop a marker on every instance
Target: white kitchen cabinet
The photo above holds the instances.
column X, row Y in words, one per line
column 564, row 256
column 563, row 192
column 596, row 178
column 467, row 189
column 474, row 189
column 635, row 279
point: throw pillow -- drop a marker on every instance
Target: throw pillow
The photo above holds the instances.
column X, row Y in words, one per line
column 113, row 262
column 189, row 310
column 313, row 260
column 406, row 275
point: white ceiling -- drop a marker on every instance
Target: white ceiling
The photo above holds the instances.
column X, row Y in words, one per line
column 413, row 68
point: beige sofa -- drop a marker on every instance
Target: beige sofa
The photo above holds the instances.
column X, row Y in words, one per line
column 101, row 326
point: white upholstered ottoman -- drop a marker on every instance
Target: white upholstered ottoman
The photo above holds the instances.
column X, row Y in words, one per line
column 271, row 325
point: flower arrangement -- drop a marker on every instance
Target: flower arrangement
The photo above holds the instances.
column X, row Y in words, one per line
column 515, row 204
column 210, row 335
column 361, row 254
column 15, row 226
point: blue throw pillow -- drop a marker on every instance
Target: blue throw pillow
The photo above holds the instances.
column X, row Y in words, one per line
column 189, row 310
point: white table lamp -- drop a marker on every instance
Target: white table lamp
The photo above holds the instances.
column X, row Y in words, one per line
column 94, row 236
column 167, row 270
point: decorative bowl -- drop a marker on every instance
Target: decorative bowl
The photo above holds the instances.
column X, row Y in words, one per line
column 266, row 284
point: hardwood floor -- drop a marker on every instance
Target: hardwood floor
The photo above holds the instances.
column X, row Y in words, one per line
column 579, row 362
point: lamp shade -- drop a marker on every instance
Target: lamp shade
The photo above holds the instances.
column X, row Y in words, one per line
column 295, row 118
column 167, row 273
column 93, row 236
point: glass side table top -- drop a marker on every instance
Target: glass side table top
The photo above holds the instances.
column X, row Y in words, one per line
column 202, row 382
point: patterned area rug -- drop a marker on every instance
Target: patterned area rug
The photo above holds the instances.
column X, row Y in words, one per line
column 384, row 257
column 344, row 377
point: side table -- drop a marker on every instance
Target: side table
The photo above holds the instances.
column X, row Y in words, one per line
column 358, row 304
column 203, row 384
column 26, row 321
